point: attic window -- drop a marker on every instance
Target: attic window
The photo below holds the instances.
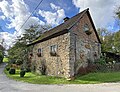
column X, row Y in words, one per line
column 86, row 29
column 39, row 53
column 53, row 50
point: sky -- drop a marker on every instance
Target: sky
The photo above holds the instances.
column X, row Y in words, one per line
column 13, row 14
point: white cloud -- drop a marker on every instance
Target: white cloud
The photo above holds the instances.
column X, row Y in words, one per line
column 2, row 17
column 53, row 18
column 9, row 39
column 16, row 12
column 6, row 9
column 102, row 11
column 54, row 6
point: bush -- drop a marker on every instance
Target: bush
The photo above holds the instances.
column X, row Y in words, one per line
column 82, row 71
column 7, row 68
column 109, row 60
column 12, row 71
column 43, row 69
column 101, row 61
column 5, row 59
column 28, row 70
column 22, row 73
column 1, row 56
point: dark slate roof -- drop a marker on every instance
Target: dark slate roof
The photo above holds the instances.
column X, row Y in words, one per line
column 63, row 28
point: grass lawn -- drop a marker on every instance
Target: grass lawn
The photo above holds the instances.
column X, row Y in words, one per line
column 91, row 78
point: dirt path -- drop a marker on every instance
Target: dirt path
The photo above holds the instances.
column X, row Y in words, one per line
column 8, row 85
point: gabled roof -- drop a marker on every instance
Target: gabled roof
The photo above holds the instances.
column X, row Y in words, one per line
column 63, row 28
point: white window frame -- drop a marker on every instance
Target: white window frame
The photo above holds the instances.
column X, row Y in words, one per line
column 53, row 50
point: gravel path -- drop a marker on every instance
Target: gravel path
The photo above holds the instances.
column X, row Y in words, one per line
column 8, row 85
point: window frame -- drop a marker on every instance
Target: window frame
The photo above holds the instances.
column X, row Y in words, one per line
column 53, row 50
column 39, row 52
column 86, row 29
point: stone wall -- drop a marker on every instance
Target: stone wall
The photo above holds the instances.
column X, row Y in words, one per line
column 75, row 50
column 84, row 48
column 55, row 65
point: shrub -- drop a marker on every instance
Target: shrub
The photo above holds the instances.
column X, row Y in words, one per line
column 101, row 61
column 7, row 68
column 109, row 60
column 1, row 56
column 5, row 59
column 22, row 73
column 91, row 68
column 82, row 71
column 12, row 71
column 43, row 69
column 28, row 69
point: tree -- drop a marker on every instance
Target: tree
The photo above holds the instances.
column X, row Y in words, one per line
column 110, row 41
column 106, row 39
column 16, row 53
column 117, row 34
column 116, row 42
column 107, row 43
column 19, row 52
column 117, row 12
column 1, row 56
column 1, row 53
column 117, row 15
column 33, row 32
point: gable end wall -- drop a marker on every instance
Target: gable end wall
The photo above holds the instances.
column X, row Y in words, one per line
column 83, row 47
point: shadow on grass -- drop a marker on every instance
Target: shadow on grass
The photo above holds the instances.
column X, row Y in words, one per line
column 100, row 77
column 91, row 78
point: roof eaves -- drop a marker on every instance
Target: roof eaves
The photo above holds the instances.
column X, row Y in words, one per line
column 94, row 27
column 49, row 37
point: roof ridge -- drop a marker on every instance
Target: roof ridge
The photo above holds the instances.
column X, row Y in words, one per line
column 63, row 26
column 69, row 19
column 83, row 12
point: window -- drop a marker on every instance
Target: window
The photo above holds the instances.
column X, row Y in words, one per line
column 39, row 53
column 53, row 50
column 39, row 50
column 86, row 29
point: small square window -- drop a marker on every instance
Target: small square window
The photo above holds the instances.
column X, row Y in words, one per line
column 53, row 50
column 39, row 53
column 86, row 29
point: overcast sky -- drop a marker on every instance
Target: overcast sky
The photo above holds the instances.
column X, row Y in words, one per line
column 13, row 14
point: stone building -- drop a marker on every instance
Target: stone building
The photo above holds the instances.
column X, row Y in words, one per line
column 63, row 50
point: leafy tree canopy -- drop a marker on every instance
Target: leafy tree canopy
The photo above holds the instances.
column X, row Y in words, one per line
column 110, row 41
column 1, row 53
column 117, row 12
column 18, row 53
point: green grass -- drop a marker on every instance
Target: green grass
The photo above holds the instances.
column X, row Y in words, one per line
column 91, row 78
column 5, row 59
